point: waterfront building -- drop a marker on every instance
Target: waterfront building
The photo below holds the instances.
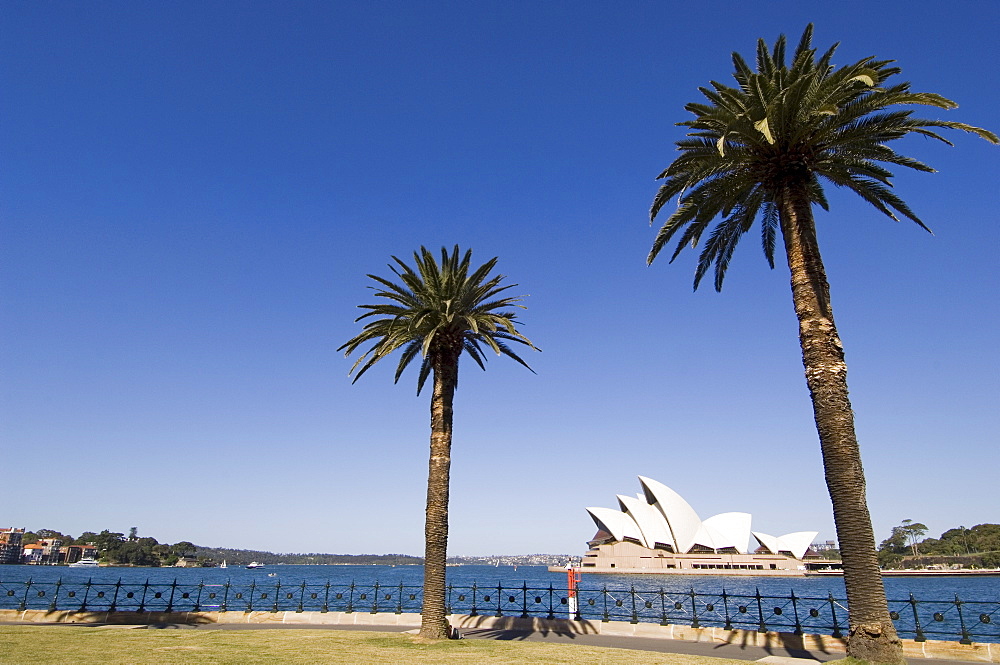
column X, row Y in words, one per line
column 73, row 553
column 657, row 531
column 10, row 545
column 45, row 551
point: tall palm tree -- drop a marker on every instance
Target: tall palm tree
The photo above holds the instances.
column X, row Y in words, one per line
column 438, row 312
column 763, row 149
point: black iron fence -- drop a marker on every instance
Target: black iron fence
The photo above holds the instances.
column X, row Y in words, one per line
column 961, row 620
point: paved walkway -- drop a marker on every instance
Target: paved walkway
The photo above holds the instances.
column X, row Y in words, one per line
column 772, row 655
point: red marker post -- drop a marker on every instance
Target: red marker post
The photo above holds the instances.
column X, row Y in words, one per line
column 572, row 580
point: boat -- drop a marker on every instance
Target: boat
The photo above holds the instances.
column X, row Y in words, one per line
column 254, row 564
column 223, row 564
column 86, row 562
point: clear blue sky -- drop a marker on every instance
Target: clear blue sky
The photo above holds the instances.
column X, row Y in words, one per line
column 192, row 194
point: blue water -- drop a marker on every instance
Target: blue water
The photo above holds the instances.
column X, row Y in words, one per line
column 811, row 604
column 897, row 588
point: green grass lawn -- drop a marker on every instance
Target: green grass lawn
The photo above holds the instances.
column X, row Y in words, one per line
column 116, row 645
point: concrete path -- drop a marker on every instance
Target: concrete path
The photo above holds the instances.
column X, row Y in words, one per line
column 775, row 656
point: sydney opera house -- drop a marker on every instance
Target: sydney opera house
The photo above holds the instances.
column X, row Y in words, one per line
column 657, row 531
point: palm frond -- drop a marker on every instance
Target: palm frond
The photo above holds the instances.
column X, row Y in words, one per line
column 437, row 309
column 782, row 132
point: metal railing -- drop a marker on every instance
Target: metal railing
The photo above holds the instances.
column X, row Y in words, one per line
column 961, row 620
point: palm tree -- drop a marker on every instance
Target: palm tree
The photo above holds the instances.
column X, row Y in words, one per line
column 762, row 149
column 438, row 312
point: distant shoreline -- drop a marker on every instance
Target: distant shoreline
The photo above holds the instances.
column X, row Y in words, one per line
column 915, row 572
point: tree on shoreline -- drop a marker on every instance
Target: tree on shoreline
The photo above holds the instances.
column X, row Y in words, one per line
column 759, row 150
column 438, row 312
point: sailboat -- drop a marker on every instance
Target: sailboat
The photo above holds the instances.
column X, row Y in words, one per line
column 223, row 564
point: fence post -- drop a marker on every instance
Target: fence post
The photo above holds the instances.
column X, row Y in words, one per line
column 663, row 608
column 474, row 611
column 326, row 597
column 302, row 597
column 253, row 589
column 725, row 604
column 225, row 597
column 86, row 594
column 761, row 626
column 142, row 601
column 499, row 599
column 916, row 621
column 114, row 600
column 448, row 607
column 350, row 599
column 170, row 603
column 277, row 593
column 635, row 616
column 374, row 609
column 833, row 611
column 24, row 599
column 694, row 611
column 552, row 614
column 576, row 587
column 604, row 593
column 524, row 599
column 795, row 608
column 399, row 604
column 52, row 605
column 197, row 602
column 961, row 619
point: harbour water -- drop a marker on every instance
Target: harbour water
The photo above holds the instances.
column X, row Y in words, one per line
column 897, row 588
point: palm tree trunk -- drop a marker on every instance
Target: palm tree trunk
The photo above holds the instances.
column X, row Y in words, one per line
column 434, row 620
column 872, row 634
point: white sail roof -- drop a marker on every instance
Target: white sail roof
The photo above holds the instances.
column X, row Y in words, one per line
column 650, row 521
column 728, row 530
column 615, row 522
column 767, row 541
column 797, row 543
column 683, row 521
column 661, row 515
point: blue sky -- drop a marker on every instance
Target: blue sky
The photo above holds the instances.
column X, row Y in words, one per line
column 192, row 194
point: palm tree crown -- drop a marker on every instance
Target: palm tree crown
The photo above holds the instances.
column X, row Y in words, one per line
column 438, row 310
column 779, row 134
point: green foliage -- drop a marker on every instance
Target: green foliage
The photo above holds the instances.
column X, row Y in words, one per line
column 914, row 530
column 30, row 537
column 108, row 540
column 183, row 548
column 137, row 552
column 953, row 542
column 243, row 557
column 985, row 537
column 990, row 560
column 86, row 538
column 978, row 546
column 115, row 547
column 789, row 128
column 887, row 559
column 895, row 543
column 437, row 311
